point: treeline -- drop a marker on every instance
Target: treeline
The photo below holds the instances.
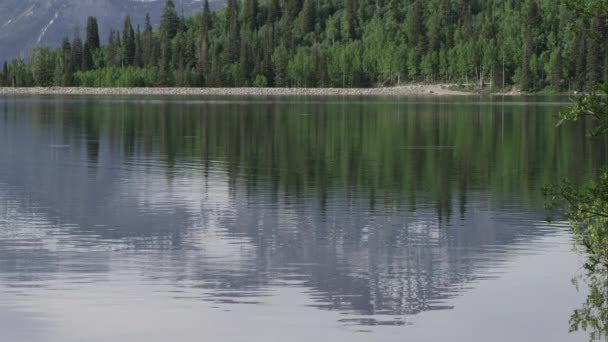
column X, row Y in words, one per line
column 335, row 43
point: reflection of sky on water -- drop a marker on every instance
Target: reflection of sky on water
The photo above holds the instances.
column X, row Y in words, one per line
column 125, row 248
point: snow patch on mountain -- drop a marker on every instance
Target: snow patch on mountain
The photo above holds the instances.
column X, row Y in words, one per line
column 45, row 28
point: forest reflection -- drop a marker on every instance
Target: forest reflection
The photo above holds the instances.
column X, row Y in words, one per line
column 384, row 208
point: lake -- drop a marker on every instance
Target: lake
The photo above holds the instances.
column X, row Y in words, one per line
column 286, row 219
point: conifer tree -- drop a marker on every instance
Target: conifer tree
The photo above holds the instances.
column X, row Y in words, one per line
column 274, row 11
column 351, row 18
column 169, row 22
column 77, row 51
column 594, row 52
column 147, row 48
column 165, row 60
column 87, row 58
column 128, row 42
column 309, row 16
column 66, row 62
column 138, row 58
column 203, row 62
column 92, row 33
column 245, row 62
column 250, row 14
column 4, row 74
column 292, row 9
column 232, row 39
column 415, row 27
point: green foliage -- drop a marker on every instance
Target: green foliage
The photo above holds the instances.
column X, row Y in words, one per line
column 587, row 207
column 340, row 43
column 587, row 210
column 92, row 33
column 118, row 77
column 594, row 105
column 43, row 66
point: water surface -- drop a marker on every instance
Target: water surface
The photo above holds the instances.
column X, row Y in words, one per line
column 270, row 219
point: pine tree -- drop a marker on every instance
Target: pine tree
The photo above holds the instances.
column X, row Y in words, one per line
column 165, row 60
column 526, row 77
column 128, row 42
column 147, row 48
column 250, row 14
column 4, row 75
column 351, row 18
column 66, row 62
column 557, row 66
column 309, row 16
column 169, row 22
column 232, row 39
column 415, row 27
column 77, row 51
column 579, row 56
column 274, row 11
column 138, row 60
column 292, row 9
column 92, row 33
column 203, row 62
column 87, row 58
column 245, row 62
column 594, row 52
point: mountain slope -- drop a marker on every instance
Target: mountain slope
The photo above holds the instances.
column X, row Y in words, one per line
column 27, row 23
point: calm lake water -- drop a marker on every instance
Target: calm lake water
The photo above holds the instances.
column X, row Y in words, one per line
column 285, row 219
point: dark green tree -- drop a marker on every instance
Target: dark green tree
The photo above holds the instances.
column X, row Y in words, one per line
column 92, row 33
column 77, row 51
column 147, row 47
column 250, row 14
column 351, row 18
column 415, row 26
column 169, row 22
column 66, row 63
column 232, row 38
column 128, row 42
column 595, row 47
column 309, row 16
column 203, row 62
column 87, row 58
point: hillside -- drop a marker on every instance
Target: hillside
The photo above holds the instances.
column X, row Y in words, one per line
column 25, row 24
column 533, row 44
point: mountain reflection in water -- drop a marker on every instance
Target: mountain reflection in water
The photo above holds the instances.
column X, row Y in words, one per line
column 378, row 211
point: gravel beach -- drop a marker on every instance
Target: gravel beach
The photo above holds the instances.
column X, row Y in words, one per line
column 407, row 90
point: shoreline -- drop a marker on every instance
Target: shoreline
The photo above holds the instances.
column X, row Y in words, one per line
column 405, row 90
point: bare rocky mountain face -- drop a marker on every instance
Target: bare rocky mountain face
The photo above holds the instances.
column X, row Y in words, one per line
column 25, row 24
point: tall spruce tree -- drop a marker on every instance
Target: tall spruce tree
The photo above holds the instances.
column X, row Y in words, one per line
column 148, row 43
column 138, row 60
column 77, row 51
column 595, row 47
column 92, row 33
column 128, row 42
column 250, row 14
column 4, row 75
column 203, row 62
column 351, row 18
column 415, row 27
column 309, row 15
column 87, row 58
column 232, row 38
column 66, row 63
column 169, row 22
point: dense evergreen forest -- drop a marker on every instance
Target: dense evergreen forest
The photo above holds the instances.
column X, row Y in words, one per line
column 335, row 43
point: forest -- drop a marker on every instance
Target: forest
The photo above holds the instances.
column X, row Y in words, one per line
column 532, row 45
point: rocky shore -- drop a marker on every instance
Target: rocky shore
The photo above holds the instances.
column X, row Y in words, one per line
column 406, row 90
